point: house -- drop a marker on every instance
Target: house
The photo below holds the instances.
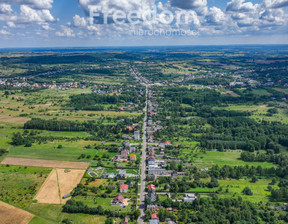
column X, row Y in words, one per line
column 153, row 221
column 132, row 149
column 167, row 143
column 123, row 188
column 121, row 182
column 158, row 171
column 124, row 154
column 133, row 157
column 122, row 173
column 116, row 158
column 118, row 200
column 153, row 208
column 154, row 216
column 151, row 187
column 152, row 196
column 189, row 198
column 126, row 144
column 124, row 221
column 130, row 183
column 136, row 135
column 112, row 186
column 150, row 122
column 151, row 159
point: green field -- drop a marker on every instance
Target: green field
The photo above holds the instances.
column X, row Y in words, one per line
column 70, row 151
column 231, row 158
column 53, row 214
column 19, row 185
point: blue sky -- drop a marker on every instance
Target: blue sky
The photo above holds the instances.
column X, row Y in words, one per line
column 69, row 23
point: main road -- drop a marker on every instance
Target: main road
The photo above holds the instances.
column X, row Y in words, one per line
column 143, row 165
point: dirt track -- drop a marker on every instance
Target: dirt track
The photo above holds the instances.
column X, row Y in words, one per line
column 44, row 163
column 12, row 215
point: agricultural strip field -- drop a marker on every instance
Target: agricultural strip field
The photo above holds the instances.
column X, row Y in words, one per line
column 60, row 182
column 12, row 215
column 44, row 163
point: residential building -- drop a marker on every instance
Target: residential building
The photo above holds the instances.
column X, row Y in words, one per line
column 133, row 157
column 151, row 187
column 136, row 135
column 132, row 149
column 124, row 154
column 123, row 188
column 118, row 200
column 189, row 197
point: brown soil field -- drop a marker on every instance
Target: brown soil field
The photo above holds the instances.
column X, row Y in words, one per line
column 14, row 120
column 59, row 183
column 68, row 180
column 12, row 215
column 44, row 163
column 49, row 191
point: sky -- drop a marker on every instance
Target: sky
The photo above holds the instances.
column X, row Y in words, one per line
column 98, row 23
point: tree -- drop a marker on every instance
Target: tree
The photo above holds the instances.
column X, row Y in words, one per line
column 254, row 179
column 109, row 221
column 247, row 191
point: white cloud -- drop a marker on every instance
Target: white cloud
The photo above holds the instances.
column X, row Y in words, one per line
column 240, row 6
column 276, row 3
column 216, row 16
column 35, row 4
column 4, row 32
column 65, row 32
column 11, row 24
column 79, row 21
column 189, row 4
column 5, row 9
column 29, row 15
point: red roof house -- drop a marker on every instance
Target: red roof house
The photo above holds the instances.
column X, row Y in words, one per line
column 154, row 216
column 123, row 188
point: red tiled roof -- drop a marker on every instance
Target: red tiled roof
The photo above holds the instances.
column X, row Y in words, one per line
column 154, row 216
column 151, row 186
column 123, row 186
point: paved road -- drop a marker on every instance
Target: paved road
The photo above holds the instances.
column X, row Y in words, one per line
column 143, row 166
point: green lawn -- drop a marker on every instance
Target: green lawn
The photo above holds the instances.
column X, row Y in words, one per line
column 211, row 158
column 92, row 201
column 53, row 214
column 259, row 189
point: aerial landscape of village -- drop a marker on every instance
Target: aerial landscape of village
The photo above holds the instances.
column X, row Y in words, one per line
column 199, row 136
column 143, row 112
